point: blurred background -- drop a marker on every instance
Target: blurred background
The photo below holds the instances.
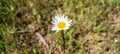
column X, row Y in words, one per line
column 25, row 26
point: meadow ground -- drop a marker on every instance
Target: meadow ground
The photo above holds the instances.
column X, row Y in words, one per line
column 25, row 27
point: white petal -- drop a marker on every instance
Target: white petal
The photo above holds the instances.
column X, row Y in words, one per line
column 66, row 18
column 69, row 21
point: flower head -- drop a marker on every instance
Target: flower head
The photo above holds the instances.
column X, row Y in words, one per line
column 116, row 40
column 60, row 22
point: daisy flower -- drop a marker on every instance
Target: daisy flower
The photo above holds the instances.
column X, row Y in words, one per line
column 60, row 22
column 116, row 40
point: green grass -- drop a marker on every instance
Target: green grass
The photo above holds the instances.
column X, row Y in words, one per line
column 95, row 26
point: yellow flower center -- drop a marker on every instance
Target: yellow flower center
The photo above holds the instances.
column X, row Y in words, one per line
column 61, row 25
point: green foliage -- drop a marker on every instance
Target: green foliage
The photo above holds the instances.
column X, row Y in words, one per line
column 95, row 26
column 117, row 2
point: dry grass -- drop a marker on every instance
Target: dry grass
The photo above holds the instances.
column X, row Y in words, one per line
column 95, row 26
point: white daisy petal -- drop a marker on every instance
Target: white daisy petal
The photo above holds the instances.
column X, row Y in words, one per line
column 69, row 21
column 66, row 18
column 53, row 28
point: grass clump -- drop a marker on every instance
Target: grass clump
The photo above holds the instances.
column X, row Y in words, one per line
column 95, row 26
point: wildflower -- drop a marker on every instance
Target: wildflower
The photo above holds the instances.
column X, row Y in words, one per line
column 60, row 22
column 116, row 40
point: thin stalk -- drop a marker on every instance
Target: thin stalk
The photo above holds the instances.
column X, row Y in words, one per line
column 63, row 41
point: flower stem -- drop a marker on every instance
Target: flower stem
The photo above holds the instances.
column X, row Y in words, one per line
column 63, row 42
